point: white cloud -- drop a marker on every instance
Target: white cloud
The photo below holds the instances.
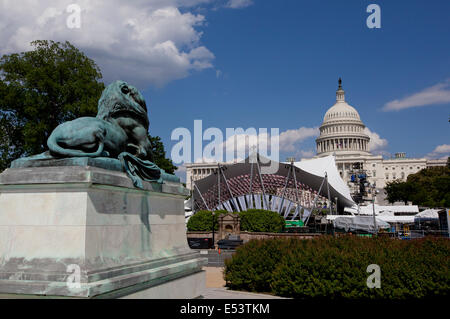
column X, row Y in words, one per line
column 377, row 144
column 243, row 142
column 305, row 154
column 145, row 42
column 437, row 94
column 181, row 173
column 290, row 138
column 237, row 4
column 441, row 151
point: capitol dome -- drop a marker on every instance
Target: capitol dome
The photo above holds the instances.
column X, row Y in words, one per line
column 342, row 131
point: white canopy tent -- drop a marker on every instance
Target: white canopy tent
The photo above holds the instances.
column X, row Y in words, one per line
column 362, row 223
column 428, row 213
column 368, row 210
column 320, row 166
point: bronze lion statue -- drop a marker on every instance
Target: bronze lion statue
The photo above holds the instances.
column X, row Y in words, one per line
column 121, row 125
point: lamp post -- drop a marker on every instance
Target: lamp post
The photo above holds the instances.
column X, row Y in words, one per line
column 336, row 200
column 373, row 207
column 213, row 243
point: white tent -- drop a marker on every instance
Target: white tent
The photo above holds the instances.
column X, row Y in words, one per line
column 368, row 210
column 320, row 166
column 396, row 219
column 428, row 213
column 363, row 223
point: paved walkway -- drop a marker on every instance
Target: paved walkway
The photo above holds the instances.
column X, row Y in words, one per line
column 215, row 287
column 224, row 293
column 214, row 277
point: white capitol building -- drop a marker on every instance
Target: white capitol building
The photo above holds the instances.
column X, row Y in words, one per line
column 342, row 134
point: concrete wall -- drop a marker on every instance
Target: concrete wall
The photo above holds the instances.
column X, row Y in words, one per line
column 247, row 236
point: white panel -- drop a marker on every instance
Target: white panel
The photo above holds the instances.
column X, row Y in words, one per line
column 285, row 204
column 288, row 209
column 249, row 201
column 276, row 203
column 306, row 214
column 297, row 211
column 257, row 201
column 234, row 201
column 242, row 202
column 266, row 202
column 228, row 206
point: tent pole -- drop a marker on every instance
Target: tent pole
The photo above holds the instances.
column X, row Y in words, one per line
column 284, row 191
column 204, row 202
column 315, row 201
column 229, row 189
column 261, row 181
column 329, row 197
column 251, row 178
column 295, row 183
column 251, row 184
column 192, row 196
column 218, row 183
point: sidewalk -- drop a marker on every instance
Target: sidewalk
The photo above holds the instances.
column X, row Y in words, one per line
column 224, row 293
column 215, row 287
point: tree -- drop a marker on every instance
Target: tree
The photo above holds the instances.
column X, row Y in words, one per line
column 397, row 191
column 203, row 221
column 159, row 155
column 429, row 187
column 43, row 88
column 39, row 90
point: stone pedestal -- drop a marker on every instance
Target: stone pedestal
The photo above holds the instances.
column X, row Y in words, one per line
column 69, row 224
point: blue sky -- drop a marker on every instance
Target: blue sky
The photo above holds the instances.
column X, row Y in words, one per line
column 265, row 63
column 279, row 62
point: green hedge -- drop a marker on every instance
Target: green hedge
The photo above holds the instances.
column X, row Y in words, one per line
column 259, row 220
column 202, row 221
column 252, row 220
column 335, row 268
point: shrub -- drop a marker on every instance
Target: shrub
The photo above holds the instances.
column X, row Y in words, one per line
column 252, row 265
column 335, row 268
column 252, row 220
column 202, row 221
column 259, row 220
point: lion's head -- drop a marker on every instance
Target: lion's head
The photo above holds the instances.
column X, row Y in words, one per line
column 119, row 99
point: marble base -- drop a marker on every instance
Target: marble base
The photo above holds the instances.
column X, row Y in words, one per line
column 124, row 241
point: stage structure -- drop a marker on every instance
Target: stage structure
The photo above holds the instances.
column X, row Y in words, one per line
column 293, row 191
